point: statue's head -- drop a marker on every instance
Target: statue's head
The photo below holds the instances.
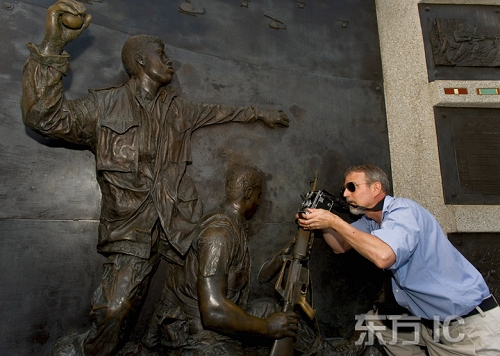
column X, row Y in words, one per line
column 244, row 185
column 136, row 44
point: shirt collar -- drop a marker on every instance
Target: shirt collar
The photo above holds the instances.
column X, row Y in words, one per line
column 379, row 206
column 142, row 94
column 387, row 201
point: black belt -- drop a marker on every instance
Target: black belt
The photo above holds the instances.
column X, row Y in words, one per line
column 487, row 304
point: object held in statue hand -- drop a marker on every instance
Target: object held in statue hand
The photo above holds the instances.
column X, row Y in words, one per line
column 71, row 21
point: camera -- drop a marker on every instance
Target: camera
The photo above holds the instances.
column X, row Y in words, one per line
column 321, row 199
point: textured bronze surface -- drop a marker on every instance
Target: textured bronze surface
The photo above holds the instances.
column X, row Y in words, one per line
column 482, row 249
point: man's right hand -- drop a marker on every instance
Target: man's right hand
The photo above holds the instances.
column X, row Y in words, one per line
column 282, row 324
column 57, row 35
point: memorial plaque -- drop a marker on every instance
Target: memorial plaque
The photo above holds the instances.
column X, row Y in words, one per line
column 483, row 251
column 469, row 154
column 461, row 41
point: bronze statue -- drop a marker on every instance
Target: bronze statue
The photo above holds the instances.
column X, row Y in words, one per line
column 140, row 134
column 202, row 309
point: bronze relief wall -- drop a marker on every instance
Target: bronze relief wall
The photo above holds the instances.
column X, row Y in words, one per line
column 461, row 41
column 323, row 70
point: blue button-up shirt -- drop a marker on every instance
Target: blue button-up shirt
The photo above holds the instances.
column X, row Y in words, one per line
column 430, row 276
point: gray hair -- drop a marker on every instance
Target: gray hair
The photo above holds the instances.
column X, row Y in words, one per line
column 373, row 174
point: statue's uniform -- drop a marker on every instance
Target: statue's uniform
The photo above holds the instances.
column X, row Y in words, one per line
column 142, row 145
column 220, row 246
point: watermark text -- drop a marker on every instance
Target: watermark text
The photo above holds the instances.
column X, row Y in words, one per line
column 403, row 329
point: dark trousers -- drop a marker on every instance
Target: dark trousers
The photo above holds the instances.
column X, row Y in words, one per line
column 124, row 284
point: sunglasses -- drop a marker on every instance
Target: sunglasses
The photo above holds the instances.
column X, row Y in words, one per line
column 351, row 186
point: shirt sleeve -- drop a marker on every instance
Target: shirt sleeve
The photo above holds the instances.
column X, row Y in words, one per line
column 201, row 114
column 363, row 224
column 43, row 107
column 214, row 251
column 400, row 230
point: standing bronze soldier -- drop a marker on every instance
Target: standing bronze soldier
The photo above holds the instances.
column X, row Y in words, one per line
column 140, row 134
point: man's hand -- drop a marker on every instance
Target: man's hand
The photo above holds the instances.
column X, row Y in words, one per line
column 273, row 118
column 316, row 219
column 282, row 324
column 57, row 35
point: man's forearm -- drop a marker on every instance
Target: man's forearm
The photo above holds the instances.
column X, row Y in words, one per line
column 341, row 236
column 335, row 241
column 369, row 246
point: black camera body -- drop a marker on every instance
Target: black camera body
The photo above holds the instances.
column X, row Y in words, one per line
column 321, row 199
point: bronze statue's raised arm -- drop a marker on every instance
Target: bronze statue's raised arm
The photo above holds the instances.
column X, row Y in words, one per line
column 66, row 20
column 43, row 106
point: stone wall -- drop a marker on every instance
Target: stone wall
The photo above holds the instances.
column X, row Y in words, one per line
column 410, row 99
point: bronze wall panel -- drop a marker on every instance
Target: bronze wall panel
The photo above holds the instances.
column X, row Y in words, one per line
column 49, row 269
column 460, row 41
column 323, row 71
column 483, row 251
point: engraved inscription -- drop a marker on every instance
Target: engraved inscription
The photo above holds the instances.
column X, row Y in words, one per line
column 477, row 149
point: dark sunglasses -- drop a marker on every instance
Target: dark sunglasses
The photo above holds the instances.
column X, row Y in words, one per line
column 351, row 186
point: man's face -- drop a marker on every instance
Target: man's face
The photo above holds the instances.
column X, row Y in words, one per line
column 362, row 195
column 157, row 66
column 254, row 202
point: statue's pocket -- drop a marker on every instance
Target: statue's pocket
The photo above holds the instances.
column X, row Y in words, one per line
column 117, row 145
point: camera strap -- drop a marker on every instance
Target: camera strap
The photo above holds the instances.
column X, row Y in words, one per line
column 379, row 206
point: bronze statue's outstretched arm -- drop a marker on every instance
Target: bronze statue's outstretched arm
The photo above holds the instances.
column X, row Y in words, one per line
column 272, row 118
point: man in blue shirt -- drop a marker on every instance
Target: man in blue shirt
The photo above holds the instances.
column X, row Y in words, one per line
column 430, row 278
